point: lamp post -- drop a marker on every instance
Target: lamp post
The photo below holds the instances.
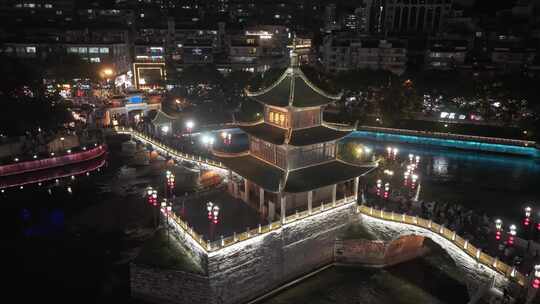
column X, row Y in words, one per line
column 189, row 126
column 62, row 141
column 169, row 182
column 215, row 212
column 166, row 208
column 511, row 235
column 164, row 130
column 498, row 227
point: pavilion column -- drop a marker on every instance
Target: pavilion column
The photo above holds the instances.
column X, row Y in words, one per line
column 261, row 199
column 246, row 191
column 356, row 182
column 283, row 201
column 310, row 201
column 334, row 194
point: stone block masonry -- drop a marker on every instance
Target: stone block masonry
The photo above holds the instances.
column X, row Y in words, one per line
column 247, row 269
column 168, row 286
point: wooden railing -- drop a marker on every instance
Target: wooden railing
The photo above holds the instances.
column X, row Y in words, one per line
column 172, row 152
column 451, row 236
column 212, row 246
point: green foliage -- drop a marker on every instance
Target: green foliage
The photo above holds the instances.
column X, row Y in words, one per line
column 20, row 115
column 250, row 111
column 239, row 79
column 265, row 79
column 17, row 73
column 69, row 67
column 322, row 80
column 362, row 79
column 201, row 74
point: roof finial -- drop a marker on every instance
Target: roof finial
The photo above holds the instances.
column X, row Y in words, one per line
column 294, row 55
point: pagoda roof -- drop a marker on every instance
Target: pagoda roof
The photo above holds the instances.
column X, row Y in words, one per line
column 252, row 168
column 266, row 132
column 274, row 179
column 293, row 88
column 298, row 137
column 318, row 134
column 325, row 174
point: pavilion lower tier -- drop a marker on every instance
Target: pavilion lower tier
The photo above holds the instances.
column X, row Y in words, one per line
column 273, row 206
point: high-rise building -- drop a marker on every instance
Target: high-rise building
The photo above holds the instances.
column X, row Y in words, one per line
column 413, row 16
column 330, row 17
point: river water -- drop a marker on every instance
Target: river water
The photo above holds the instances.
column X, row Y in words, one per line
column 66, row 244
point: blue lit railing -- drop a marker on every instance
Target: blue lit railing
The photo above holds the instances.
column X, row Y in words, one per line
column 465, row 142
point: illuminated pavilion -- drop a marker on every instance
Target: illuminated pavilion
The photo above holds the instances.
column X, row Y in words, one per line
column 292, row 163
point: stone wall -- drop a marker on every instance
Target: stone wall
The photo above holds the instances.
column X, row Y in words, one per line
column 475, row 272
column 168, row 286
column 247, row 269
column 378, row 253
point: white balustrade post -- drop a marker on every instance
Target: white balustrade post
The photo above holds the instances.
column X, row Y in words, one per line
column 261, row 199
column 356, row 182
column 283, row 208
column 334, row 194
column 310, row 201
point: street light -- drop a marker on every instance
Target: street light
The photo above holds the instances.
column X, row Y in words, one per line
column 511, row 235
column 498, row 227
column 62, row 141
column 189, row 126
column 215, row 212
column 166, row 208
column 209, row 207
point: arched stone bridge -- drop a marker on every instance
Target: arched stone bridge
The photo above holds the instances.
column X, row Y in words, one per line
column 479, row 267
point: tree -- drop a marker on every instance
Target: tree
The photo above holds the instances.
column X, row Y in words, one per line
column 201, row 74
column 69, row 67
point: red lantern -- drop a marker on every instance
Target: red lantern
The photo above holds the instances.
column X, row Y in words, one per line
column 536, row 283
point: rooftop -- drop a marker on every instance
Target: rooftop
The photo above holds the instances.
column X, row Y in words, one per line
column 293, row 88
column 300, row 137
column 274, row 179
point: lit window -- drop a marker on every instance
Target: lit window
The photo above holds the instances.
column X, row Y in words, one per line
column 93, row 50
column 82, row 50
column 59, row 12
column 31, row 49
column 72, row 50
column 48, row 5
column 142, row 15
column 104, row 50
column 95, row 60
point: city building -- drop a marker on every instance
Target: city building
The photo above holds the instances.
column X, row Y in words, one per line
column 446, row 54
column 292, row 162
column 415, row 16
column 350, row 52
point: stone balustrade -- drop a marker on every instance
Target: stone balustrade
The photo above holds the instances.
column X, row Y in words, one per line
column 213, row 246
column 168, row 150
column 463, row 245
